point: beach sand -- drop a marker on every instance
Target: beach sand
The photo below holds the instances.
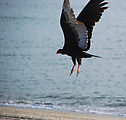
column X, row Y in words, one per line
column 15, row 113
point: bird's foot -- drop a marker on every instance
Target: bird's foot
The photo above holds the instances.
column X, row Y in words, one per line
column 78, row 70
column 77, row 73
column 72, row 69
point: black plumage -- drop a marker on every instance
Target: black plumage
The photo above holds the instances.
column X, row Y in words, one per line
column 78, row 31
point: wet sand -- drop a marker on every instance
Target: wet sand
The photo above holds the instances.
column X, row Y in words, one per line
column 15, row 113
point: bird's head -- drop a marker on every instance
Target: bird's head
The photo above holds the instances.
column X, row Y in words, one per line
column 61, row 51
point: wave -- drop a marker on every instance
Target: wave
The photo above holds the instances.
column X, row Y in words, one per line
column 69, row 108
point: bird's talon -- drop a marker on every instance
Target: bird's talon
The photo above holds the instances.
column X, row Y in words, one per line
column 77, row 73
column 71, row 71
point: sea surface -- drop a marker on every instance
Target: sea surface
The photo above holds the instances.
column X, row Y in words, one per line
column 32, row 75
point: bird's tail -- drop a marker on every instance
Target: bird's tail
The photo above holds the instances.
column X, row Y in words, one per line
column 87, row 55
column 96, row 56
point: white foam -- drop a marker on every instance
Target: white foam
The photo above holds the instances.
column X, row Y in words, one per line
column 79, row 109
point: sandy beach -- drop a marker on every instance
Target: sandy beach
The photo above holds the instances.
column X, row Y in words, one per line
column 15, row 113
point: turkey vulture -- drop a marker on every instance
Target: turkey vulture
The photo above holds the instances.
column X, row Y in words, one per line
column 78, row 31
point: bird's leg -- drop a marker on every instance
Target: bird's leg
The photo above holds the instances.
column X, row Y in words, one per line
column 74, row 61
column 79, row 63
column 78, row 70
column 72, row 69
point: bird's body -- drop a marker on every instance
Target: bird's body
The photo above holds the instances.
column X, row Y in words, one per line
column 78, row 31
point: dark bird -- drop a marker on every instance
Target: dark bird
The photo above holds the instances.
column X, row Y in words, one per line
column 78, row 31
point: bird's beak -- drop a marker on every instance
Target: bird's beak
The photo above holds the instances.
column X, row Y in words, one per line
column 57, row 53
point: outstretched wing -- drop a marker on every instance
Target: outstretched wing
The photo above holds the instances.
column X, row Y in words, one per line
column 75, row 33
column 91, row 14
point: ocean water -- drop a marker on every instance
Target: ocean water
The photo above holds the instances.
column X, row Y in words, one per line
column 32, row 75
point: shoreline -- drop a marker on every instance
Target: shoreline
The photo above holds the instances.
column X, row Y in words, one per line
column 17, row 113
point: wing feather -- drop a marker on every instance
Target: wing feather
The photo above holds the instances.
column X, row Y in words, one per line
column 75, row 32
column 91, row 14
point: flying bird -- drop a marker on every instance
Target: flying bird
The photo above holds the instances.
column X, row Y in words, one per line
column 78, row 31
